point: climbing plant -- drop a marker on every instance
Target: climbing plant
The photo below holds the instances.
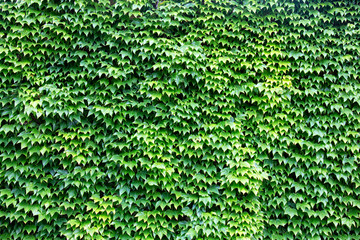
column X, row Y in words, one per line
column 179, row 119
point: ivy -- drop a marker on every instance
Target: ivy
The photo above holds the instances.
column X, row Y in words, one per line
column 179, row 119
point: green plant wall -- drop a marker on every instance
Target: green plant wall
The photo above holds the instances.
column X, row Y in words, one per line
column 179, row 119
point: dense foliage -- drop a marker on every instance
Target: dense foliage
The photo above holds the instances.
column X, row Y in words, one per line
column 179, row 120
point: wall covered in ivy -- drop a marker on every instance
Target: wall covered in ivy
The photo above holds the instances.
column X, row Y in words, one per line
column 179, row 119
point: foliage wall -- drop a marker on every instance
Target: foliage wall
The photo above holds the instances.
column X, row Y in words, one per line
column 179, row 119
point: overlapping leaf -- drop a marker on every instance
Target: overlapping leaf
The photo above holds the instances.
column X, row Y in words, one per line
column 179, row 120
